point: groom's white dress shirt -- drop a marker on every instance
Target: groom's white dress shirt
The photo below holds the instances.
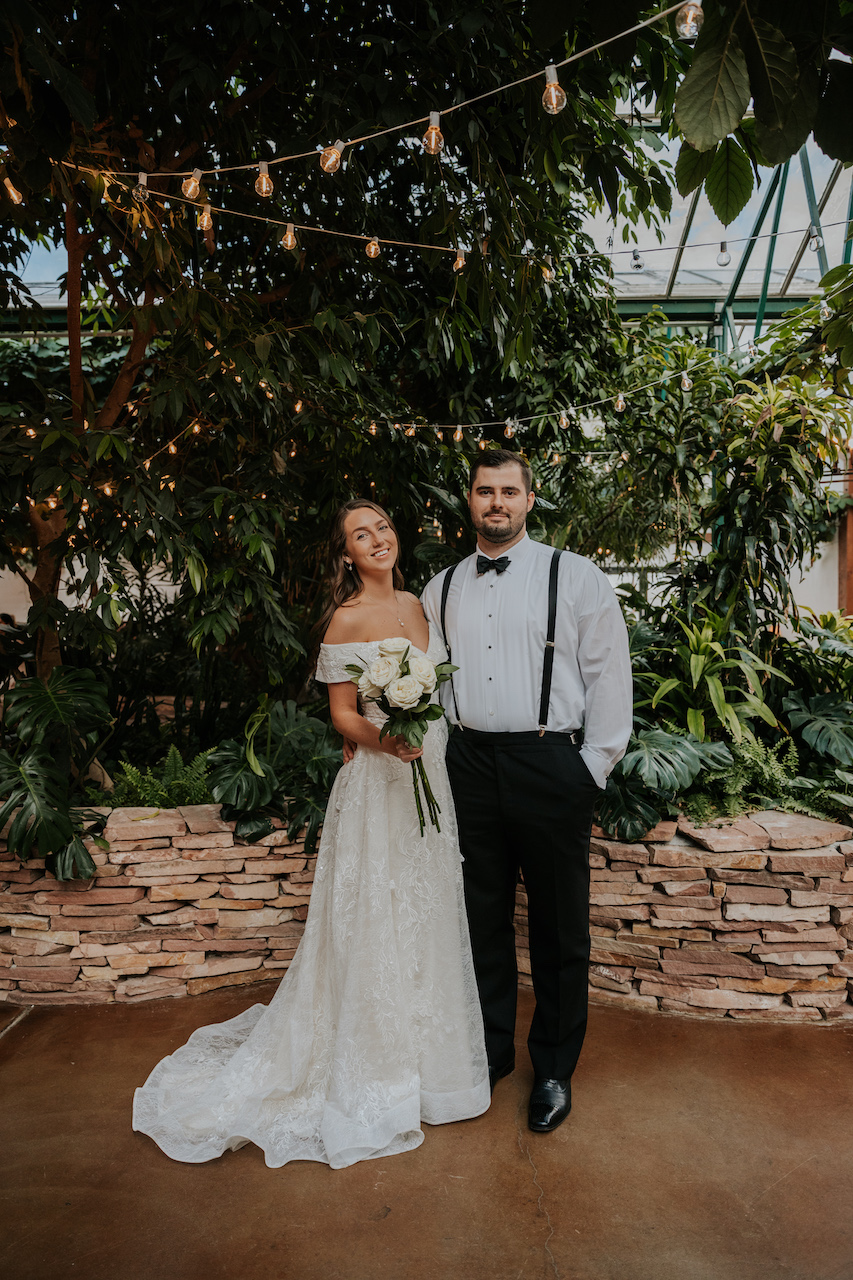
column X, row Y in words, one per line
column 497, row 627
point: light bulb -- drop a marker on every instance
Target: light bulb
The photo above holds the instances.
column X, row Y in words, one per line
column 619, row 403
column 637, row 263
column 173, row 448
column 815, row 238
column 686, row 381
column 555, row 459
column 433, row 138
column 825, row 313
column 482, row 444
column 192, row 185
column 509, row 429
column 288, row 240
column 689, row 19
column 410, row 429
column 457, row 435
column 752, row 348
column 372, row 428
column 564, row 422
column 548, row 268
column 372, row 250
column 723, row 257
column 263, row 182
column 205, row 221
column 297, row 408
column 12, row 191
column 330, row 157
column 553, row 99
column 460, row 260
column 140, row 191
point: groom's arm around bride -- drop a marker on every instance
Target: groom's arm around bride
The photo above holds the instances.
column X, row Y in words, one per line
column 542, row 702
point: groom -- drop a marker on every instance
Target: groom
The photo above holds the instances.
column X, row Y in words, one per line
column 542, row 652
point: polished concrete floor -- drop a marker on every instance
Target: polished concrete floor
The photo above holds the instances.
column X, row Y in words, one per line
column 697, row 1150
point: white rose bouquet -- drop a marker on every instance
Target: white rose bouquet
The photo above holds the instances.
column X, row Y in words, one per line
column 402, row 683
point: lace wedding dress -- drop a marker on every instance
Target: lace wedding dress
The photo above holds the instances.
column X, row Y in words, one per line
column 376, row 1025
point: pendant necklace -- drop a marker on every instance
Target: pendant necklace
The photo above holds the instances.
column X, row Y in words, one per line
column 390, row 610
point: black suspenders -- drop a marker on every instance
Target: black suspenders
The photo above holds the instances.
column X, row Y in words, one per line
column 548, row 664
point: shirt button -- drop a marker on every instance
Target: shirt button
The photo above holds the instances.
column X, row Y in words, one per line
column 491, row 713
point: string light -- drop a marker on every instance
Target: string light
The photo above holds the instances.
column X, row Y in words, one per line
column 192, row 185
column 108, row 491
column 297, row 408
column 825, row 313
column 548, row 268
column 686, row 381
column 460, row 260
column 433, row 139
column 31, row 433
column 410, row 429
column 373, row 250
column 263, row 182
column 205, row 220
column 288, row 240
column 619, row 403
column 564, row 422
column 554, row 98
column 815, row 239
column 555, row 459
column 372, row 428
column 723, row 257
column 510, row 428
column 12, row 191
column 482, row 444
column 457, row 435
column 752, row 348
column 689, row 19
column 140, row 191
column 637, row 263
column 330, row 157
column 173, row 448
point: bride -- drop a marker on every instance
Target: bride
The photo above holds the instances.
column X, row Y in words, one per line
column 376, row 1026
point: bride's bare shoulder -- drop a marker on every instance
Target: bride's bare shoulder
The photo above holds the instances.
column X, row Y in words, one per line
column 347, row 625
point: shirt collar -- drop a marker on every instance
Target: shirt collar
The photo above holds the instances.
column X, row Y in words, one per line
column 515, row 555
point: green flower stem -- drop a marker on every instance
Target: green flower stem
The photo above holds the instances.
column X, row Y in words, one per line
column 432, row 804
column 418, row 797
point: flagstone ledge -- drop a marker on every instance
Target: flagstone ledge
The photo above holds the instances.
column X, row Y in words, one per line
column 751, row 919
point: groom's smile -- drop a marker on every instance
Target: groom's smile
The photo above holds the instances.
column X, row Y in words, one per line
column 499, row 503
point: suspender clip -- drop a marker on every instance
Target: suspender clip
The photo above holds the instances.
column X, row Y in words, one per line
column 541, row 731
column 549, row 644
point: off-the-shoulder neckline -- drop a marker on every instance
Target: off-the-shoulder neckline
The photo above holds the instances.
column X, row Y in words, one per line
column 350, row 644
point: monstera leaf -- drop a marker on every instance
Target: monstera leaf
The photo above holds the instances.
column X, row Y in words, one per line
column 234, row 782
column 38, row 799
column 625, row 811
column 72, row 699
column 826, row 724
column 669, row 762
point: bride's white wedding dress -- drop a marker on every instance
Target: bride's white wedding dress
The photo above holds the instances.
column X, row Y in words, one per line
column 376, row 1025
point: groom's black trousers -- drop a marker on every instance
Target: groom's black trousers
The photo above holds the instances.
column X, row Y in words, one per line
column 526, row 802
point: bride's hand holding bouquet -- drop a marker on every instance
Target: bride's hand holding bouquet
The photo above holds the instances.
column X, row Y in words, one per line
column 402, row 683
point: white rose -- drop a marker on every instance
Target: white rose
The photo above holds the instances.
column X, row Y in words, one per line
column 367, row 688
column 394, row 648
column 404, row 693
column 423, row 671
column 383, row 670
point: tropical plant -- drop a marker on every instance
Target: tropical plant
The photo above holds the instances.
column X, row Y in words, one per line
column 290, row 776
column 51, row 733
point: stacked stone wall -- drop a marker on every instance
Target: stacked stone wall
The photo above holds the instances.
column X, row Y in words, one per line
column 750, row 919
column 179, row 906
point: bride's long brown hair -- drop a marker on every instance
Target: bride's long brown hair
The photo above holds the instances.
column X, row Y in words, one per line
column 344, row 581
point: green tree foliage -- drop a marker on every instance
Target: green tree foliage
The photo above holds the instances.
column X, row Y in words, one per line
column 235, row 409
column 783, row 60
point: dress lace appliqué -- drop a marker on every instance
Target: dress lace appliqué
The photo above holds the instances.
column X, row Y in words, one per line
column 376, row 1026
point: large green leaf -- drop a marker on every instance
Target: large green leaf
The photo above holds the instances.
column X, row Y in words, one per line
column 832, row 130
column 72, row 861
column 692, row 168
column 625, row 811
column 714, row 94
column 37, row 802
column 71, row 699
column 234, row 782
column 826, row 724
column 779, row 144
column 669, row 762
column 729, row 182
column 773, row 71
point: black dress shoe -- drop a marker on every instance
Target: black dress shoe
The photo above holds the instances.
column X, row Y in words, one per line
column 498, row 1073
column 550, row 1103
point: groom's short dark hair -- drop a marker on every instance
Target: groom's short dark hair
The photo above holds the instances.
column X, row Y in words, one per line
column 500, row 458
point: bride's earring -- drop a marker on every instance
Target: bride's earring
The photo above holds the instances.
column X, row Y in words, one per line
column 348, row 564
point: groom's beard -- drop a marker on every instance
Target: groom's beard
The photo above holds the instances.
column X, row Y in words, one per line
column 499, row 531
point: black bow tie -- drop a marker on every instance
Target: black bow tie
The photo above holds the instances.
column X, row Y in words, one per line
column 484, row 564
